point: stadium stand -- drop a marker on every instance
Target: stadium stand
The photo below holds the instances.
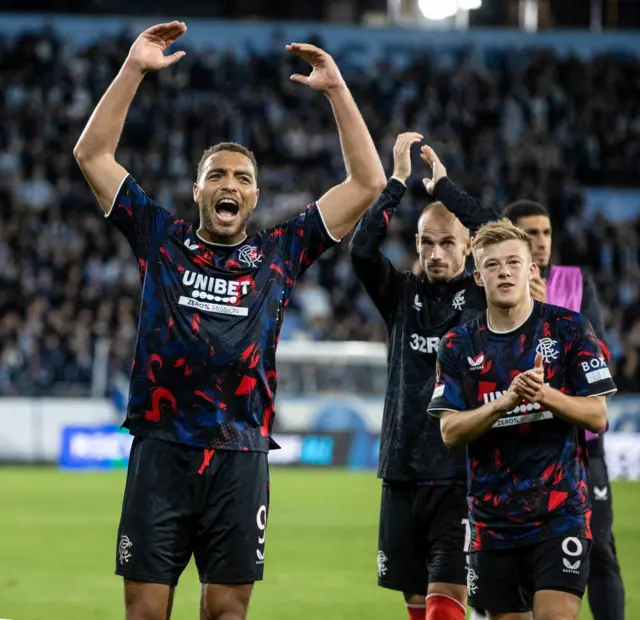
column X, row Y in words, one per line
column 506, row 125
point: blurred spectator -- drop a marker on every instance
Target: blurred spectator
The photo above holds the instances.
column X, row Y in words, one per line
column 529, row 125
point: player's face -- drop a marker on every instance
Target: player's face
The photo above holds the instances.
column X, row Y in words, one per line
column 539, row 228
column 226, row 194
column 504, row 270
column 443, row 245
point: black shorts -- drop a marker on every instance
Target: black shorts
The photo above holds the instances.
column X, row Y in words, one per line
column 180, row 501
column 422, row 536
column 505, row 581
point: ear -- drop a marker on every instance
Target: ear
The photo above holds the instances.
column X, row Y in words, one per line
column 478, row 278
column 255, row 202
column 417, row 245
column 196, row 193
column 467, row 246
column 534, row 271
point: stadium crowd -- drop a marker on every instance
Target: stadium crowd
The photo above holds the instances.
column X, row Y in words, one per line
column 509, row 125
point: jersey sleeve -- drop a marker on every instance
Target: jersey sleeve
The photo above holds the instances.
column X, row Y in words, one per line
column 304, row 239
column 588, row 370
column 448, row 394
column 140, row 219
column 380, row 279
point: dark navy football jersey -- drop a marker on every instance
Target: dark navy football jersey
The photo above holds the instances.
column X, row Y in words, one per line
column 527, row 476
column 204, row 370
column 417, row 314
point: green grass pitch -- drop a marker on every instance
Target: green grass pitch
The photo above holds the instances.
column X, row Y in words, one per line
column 58, row 545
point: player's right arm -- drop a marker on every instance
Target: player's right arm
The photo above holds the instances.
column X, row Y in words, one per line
column 96, row 148
column 460, row 425
column 470, row 211
column 375, row 271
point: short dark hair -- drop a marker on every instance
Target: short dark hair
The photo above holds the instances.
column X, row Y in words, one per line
column 523, row 208
column 233, row 147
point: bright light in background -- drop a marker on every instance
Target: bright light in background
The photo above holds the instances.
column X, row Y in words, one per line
column 438, row 9
column 441, row 9
column 469, row 5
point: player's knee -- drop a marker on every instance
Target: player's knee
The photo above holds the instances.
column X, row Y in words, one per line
column 452, row 590
column 147, row 601
column 555, row 605
column 225, row 602
column 414, row 599
column 445, row 607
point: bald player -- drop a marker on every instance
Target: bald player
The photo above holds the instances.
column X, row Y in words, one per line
column 423, row 513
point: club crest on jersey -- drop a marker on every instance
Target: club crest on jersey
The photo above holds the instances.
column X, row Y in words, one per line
column 249, row 255
column 548, row 348
column 207, row 289
column 475, row 363
column 458, row 300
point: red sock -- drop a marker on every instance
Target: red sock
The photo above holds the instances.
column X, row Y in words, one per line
column 416, row 612
column 443, row 607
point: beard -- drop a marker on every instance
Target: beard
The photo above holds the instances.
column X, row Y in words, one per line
column 216, row 230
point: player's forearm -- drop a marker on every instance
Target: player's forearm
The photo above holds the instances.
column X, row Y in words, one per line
column 459, row 428
column 102, row 132
column 470, row 211
column 587, row 412
column 361, row 158
column 372, row 229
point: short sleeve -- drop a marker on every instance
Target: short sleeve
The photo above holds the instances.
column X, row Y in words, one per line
column 304, row 239
column 588, row 370
column 448, row 393
column 140, row 219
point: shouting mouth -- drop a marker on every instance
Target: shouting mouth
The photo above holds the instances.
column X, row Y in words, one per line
column 227, row 209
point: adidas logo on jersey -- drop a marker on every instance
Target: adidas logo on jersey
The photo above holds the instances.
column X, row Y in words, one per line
column 207, row 289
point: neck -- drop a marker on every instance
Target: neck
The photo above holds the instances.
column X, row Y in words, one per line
column 208, row 236
column 507, row 319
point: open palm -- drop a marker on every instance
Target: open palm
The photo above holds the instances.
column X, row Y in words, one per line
column 325, row 74
column 147, row 51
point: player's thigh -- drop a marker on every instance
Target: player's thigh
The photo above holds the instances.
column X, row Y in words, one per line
column 154, row 535
column 445, row 524
column 600, row 495
column 229, row 544
column 555, row 605
column 228, row 601
column 497, row 582
column 147, row 601
column 559, row 569
column 402, row 554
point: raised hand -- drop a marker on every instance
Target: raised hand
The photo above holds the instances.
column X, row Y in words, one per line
column 325, row 75
column 538, row 286
column 429, row 157
column 147, row 51
column 402, row 154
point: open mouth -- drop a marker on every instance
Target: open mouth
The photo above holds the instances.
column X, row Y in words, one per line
column 227, row 209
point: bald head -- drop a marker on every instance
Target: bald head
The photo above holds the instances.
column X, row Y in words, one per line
column 442, row 243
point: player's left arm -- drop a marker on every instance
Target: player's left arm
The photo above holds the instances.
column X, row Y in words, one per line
column 471, row 212
column 343, row 205
column 589, row 377
column 591, row 308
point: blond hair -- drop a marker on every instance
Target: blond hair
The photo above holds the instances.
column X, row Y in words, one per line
column 496, row 232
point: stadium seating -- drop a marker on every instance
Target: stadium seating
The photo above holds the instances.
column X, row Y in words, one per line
column 504, row 129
